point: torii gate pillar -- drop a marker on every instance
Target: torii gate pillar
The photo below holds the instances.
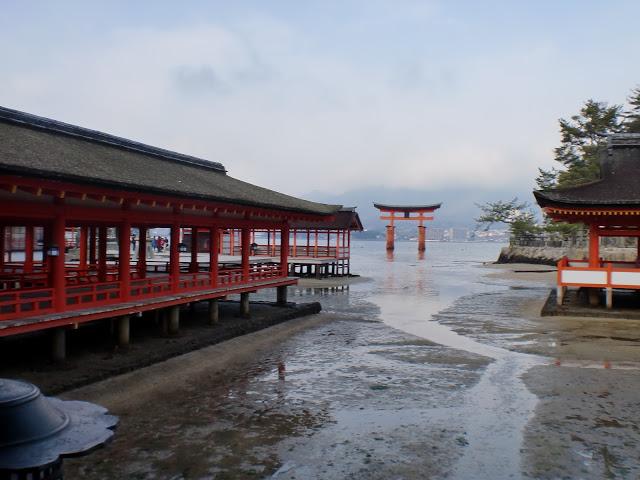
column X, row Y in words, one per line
column 406, row 212
column 391, row 233
column 422, row 237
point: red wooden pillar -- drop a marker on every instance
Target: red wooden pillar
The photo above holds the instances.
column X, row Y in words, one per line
column 329, row 243
column 268, row 242
column 124, row 260
column 315, row 244
column 2, row 247
column 193, row 267
column 92, row 245
column 349, row 252
column 390, row 237
column 284, row 251
column 28, row 249
column 214, row 249
column 338, row 244
column 295, row 242
column 391, row 233
column 245, row 232
column 232, row 241
column 594, row 246
column 422, row 236
column 57, row 274
column 174, row 257
column 142, row 252
column 102, row 253
column 83, row 247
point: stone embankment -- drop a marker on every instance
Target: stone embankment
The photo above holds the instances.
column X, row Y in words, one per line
column 551, row 255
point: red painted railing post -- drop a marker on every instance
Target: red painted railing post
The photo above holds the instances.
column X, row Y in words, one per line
column 92, row 245
column 57, row 262
column 28, row 249
column 214, row 249
column 124, row 260
column 102, row 253
column 594, row 246
column 193, row 266
column 174, row 258
column 284, row 251
column 245, row 249
column 142, row 251
column 2, row 244
column 82, row 262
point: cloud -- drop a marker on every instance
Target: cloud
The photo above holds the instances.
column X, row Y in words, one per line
column 259, row 96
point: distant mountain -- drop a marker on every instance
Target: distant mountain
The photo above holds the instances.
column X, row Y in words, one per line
column 458, row 204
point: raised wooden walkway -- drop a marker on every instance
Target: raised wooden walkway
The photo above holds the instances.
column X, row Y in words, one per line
column 75, row 317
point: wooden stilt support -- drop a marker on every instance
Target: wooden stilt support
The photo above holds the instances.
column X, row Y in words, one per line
column 58, row 344
column 609, row 295
column 560, row 295
column 174, row 320
column 214, row 312
column 245, row 311
column 594, row 296
column 123, row 331
column 281, row 295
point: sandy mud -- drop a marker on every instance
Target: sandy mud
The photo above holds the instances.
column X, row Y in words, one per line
column 436, row 370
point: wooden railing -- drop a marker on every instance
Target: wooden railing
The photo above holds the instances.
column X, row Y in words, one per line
column 194, row 281
column 229, row 276
column 320, row 251
column 265, row 271
column 20, row 303
column 17, row 303
column 94, row 294
column 151, row 286
column 578, row 273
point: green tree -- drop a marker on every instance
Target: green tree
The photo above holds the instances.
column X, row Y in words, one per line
column 583, row 137
column 517, row 215
column 632, row 116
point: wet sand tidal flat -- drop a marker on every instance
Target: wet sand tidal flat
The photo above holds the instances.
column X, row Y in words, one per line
column 432, row 368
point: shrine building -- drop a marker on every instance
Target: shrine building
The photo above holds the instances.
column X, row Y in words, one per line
column 609, row 207
column 316, row 248
column 323, row 249
column 82, row 204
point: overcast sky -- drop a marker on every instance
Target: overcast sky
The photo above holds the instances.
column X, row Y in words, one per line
column 330, row 96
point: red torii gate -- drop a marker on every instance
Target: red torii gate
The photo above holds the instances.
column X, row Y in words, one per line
column 406, row 211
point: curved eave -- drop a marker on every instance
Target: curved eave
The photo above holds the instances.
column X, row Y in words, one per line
column 546, row 200
column 324, row 211
column 407, row 208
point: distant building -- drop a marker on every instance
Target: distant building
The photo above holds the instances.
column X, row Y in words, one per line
column 458, row 234
column 436, row 234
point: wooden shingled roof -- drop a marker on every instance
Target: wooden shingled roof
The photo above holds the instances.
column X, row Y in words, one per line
column 345, row 219
column 619, row 183
column 44, row 148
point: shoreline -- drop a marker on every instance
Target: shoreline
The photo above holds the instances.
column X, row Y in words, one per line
column 101, row 360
